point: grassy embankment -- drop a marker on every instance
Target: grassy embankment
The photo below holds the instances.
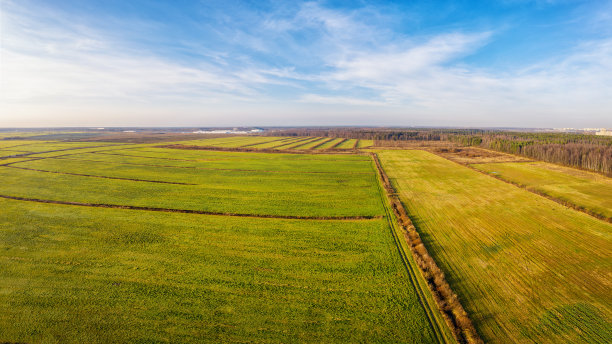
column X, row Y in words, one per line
column 525, row 268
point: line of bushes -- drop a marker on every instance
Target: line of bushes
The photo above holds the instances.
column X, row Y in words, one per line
column 447, row 301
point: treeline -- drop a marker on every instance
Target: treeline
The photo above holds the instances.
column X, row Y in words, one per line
column 590, row 152
column 377, row 134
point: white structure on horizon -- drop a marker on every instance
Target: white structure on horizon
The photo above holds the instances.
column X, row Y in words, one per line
column 604, row 132
column 232, row 131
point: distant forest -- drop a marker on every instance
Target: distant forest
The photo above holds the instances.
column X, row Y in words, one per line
column 590, row 152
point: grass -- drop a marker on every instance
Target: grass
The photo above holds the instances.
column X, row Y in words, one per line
column 74, row 274
column 586, row 190
column 365, row 143
column 329, row 144
column 348, row 144
column 525, row 268
column 311, row 144
column 279, row 141
column 248, row 186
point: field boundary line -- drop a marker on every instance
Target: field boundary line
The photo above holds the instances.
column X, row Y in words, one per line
column 356, row 143
column 534, row 190
column 201, row 212
column 96, row 176
column 445, row 298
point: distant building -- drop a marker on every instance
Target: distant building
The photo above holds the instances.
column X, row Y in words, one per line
column 604, row 132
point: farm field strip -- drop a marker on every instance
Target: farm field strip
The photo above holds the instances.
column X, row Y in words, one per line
column 71, row 150
column 331, row 281
column 264, row 163
column 317, row 144
column 290, row 144
column 58, row 146
column 225, row 191
column 525, row 268
column 348, row 144
column 311, row 144
column 267, row 140
column 249, row 141
column 331, row 143
column 205, row 168
column 201, row 177
column 364, row 143
column 5, row 144
column 338, row 143
column 271, row 144
column 98, row 176
column 206, row 155
column 300, row 143
column 586, row 191
column 199, row 212
column 217, row 141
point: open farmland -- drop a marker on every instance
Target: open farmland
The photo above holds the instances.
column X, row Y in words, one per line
column 301, row 249
column 584, row 190
column 525, row 268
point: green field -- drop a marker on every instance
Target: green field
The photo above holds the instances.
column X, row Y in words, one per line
column 330, row 143
column 525, row 268
column 239, row 183
column 365, row 143
column 348, row 144
column 586, row 190
column 82, row 274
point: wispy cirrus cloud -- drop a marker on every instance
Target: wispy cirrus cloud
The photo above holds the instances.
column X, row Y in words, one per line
column 289, row 59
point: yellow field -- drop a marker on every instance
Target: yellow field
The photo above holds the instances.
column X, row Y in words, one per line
column 525, row 268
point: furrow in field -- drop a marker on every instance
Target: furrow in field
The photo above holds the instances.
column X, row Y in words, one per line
column 98, row 176
column 188, row 211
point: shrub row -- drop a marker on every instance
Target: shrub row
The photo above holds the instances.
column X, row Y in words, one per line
column 446, row 300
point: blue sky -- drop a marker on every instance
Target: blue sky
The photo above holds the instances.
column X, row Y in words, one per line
column 512, row 63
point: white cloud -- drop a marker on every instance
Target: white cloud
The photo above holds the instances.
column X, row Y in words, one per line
column 340, row 59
